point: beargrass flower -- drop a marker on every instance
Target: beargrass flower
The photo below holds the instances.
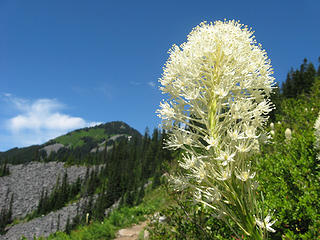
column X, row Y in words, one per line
column 272, row 126
column 244, row 175
column 219, row 83
column 265, row 223
column 288, row 134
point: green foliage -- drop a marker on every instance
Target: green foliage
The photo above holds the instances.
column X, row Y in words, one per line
column 289, row 177
column 288, row 171
column 95, row 134
column 95, row 231
column 185, row 220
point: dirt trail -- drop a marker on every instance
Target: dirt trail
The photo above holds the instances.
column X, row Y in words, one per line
column 132, row 232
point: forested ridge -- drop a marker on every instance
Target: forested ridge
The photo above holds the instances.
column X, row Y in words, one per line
column 75, row 147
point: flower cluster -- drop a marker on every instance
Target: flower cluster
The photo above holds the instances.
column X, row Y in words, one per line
column 219, row 83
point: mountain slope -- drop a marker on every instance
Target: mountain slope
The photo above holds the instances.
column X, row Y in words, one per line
column 81, row 142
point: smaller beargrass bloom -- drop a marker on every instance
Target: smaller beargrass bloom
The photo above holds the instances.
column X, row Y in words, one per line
column 288, row 134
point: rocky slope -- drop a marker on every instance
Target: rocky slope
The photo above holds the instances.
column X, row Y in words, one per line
column 43, row 226
column 26, row 182
column 54, row 221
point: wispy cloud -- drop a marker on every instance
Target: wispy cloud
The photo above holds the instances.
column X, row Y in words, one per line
column 152, row 84
column 40, row 120
column 134, row 83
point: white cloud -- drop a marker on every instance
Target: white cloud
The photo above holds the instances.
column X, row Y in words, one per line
column 39, row 121
column 43, row 114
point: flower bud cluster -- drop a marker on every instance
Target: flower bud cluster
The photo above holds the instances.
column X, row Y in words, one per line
column 219, row 83
column 288, row 134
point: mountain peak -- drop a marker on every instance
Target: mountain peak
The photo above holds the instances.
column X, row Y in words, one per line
column 83, row 140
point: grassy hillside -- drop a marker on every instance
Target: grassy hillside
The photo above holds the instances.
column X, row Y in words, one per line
column 78, row 143
column 75, row 139
column 96, row 134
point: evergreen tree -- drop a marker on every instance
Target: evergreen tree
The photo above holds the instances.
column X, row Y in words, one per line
column 156, row 179
column 141, row 194
column 4, row 169
column 309, row 77
column 58, row 223
column 68, row 226
column 6, row 216
column 299, row 81
column 287, row 86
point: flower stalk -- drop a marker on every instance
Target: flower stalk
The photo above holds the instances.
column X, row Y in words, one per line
column 219, row 83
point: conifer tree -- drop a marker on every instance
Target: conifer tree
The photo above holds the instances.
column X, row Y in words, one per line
column 58, row 223
column 309, row 77
column 68, row 226
column 141, row 194
column 299, row 81
column 4, row 169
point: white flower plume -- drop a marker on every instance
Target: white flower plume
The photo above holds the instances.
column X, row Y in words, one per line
column 219, row 83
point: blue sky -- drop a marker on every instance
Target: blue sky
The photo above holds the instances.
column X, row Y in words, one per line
column 70, row 64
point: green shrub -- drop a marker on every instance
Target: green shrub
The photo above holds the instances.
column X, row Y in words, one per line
column 289, row 177
column 185, row 220
column 288, row 172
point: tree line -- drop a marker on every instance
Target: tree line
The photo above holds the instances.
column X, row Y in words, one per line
column 299, row 82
